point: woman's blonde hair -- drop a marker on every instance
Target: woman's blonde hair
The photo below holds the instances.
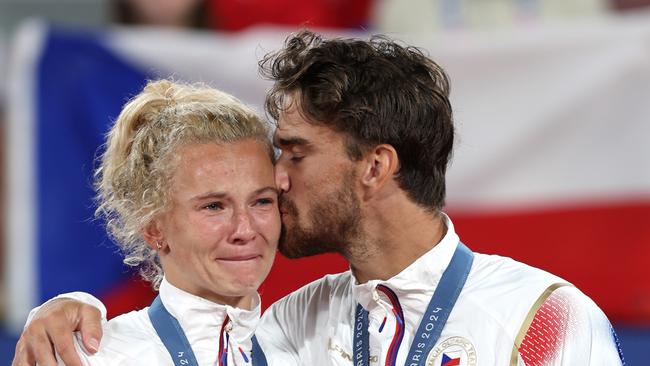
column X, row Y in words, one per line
column 134, row 177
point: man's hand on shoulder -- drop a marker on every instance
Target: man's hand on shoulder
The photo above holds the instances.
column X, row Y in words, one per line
column 51, row 330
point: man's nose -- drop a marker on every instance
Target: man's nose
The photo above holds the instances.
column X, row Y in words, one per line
column 243, row 231
column 282, row 178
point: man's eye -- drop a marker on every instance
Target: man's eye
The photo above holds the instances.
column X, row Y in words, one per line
column 296, row 159
column 214, row 206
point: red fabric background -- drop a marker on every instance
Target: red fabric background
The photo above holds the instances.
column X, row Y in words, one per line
column 602, row 249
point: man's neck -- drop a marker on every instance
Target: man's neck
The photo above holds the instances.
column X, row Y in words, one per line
column 394, row 241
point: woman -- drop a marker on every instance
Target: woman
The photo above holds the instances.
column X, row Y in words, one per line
column 187, row 190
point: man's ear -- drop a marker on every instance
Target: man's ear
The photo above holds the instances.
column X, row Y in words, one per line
column 153, row 235
column 381, row 165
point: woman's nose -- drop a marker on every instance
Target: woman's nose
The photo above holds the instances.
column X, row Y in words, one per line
column 243, row 231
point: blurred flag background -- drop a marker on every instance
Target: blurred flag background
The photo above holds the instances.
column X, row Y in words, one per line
column 552, row 107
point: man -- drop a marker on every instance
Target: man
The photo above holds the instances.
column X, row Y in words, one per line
column 365, row 129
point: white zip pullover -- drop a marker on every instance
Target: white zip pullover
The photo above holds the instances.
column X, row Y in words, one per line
column 488, row 325
column 130, row 339
column 508, row 313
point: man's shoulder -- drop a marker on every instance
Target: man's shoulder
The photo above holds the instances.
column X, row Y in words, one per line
column 495, row 270
column 322, row 290
column 506, row 290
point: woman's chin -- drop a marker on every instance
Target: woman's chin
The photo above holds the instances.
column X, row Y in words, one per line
column 243, row 287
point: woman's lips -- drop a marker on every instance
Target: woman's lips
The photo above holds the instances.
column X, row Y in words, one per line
column 240, row 258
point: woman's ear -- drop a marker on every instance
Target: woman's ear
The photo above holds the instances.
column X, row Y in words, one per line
column 381, row 165
column 153, row 235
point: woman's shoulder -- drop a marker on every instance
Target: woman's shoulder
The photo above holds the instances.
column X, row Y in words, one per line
column 130, row 327
column 128, row 339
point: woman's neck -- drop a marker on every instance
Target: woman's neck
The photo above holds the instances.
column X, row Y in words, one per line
column 243, row 302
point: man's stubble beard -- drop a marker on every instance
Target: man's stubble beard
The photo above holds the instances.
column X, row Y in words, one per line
column 334, row 224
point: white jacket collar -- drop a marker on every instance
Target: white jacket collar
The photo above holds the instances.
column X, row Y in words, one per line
column 201, row 318
column 421, row 277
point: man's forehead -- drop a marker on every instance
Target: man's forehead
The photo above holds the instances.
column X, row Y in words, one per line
column 291, row 117
column 291, row 122
column 284, row 127
column 306, row 134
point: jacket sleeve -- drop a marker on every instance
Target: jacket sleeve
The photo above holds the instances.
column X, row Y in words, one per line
column 567, row 329
column 84, row 297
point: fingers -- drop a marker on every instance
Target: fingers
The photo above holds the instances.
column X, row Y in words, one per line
column 87, row 320
column 34, row 347
column 52, row 330
column 63, row 341
column 21, row 356
column 90, row 325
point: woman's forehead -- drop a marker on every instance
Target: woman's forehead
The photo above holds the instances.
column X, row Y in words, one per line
column 223, row 167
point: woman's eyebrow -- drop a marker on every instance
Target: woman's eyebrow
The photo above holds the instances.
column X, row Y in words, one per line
column 217, row 195
column 265, row 189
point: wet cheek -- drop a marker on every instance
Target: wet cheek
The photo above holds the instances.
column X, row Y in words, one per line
column 210, row 232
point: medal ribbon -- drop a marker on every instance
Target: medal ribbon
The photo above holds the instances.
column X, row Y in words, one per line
column 434, row 319
column 172, row 335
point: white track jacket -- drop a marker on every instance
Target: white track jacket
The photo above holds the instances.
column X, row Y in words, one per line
column 130, row 339
column 507, row 314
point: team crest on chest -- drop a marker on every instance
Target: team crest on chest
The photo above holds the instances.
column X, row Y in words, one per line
column 454, row 351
